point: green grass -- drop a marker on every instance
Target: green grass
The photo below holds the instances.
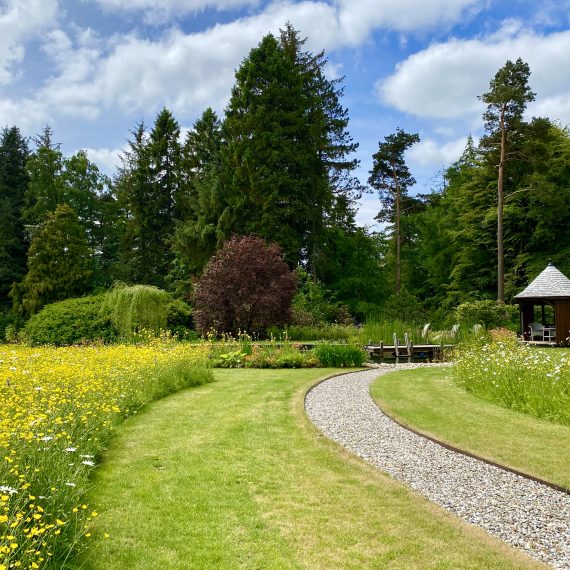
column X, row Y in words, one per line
column 428, row 400
column 233, row 475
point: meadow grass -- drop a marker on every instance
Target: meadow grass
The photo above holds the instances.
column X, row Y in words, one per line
column 518, row 376
column 428, row 400
column 233, row 475
column 59, row 408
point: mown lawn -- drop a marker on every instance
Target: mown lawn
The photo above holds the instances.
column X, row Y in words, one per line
column 233, row 475
column 427, row 399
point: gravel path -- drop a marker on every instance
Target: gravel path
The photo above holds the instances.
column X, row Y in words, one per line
column 523, row 513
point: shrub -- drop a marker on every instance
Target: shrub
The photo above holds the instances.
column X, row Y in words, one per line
column 137, row 307
column 246, row 287
column 339, row 355
column 488, row 313
column 70, row 322
column 314, row 306
column 179, row 319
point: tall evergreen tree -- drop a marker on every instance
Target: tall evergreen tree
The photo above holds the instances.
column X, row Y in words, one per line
column 200, row 232
column 285, row 159
column 506, row 101
column 149, row 190
column 392, row 178
column 60, row 263
column 46, row 188
column 13, row 184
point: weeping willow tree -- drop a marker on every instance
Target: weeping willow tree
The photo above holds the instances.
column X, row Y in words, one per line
column 135, row 308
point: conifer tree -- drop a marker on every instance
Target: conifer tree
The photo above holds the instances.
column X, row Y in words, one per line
column 149, row 190
column 199, row 233
column 60, row 263
column 13, row 183
column 506, row 101
column 392, row 178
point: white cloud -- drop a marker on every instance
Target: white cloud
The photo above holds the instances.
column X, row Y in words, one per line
column 187, row 72
column 159, row 11
column 106, row 159
column 359, row 18
column 28, row 115
column 20, row 21
column 444, row 80
column 430, row 153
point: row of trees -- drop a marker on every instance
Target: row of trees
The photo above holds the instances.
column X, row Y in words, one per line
column 279, row 165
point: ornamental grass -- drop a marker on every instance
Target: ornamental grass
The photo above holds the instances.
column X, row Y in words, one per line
column 504, row 370
column 59, row 406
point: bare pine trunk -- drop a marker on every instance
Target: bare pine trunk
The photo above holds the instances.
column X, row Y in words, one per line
column 398, row 241
column 500, row 200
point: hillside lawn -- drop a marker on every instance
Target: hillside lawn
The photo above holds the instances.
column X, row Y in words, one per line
column 234, row 475
column 427, row 400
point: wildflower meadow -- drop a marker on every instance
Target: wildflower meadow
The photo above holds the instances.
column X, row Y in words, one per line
column 59, row 406
column 528, row 379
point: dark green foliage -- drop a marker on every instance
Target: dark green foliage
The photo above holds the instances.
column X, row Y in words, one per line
column 179, row 319
column 148, row 189
column 71, row 321
column 339, row 355
column 203, row 229
column 313, row 305
column 59, row 262
column 246, row 287
column 13, row 185
column 285, row 166
column 46, row 188
column 488, row 313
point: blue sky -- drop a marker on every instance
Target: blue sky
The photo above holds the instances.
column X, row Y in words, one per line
column 92, row 69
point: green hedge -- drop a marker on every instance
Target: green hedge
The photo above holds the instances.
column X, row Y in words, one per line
column 70, row 322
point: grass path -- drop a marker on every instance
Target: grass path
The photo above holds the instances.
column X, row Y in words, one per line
column 233, row 475
column 427, row 400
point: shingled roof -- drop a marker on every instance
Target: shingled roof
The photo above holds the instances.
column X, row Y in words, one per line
column 550, row 284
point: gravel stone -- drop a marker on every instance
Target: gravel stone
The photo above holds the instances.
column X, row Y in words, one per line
column 526, row 514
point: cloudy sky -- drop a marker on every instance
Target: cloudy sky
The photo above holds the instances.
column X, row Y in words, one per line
column 92, row 69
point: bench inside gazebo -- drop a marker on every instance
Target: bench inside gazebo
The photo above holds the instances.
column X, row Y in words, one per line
column 545, row 307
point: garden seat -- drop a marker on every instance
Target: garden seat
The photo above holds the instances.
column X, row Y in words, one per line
column 536, row 331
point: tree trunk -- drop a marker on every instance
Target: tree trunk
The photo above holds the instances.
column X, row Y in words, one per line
column 500, row 200
column 398, row 240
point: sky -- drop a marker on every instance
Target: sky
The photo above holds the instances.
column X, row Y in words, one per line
column 93, row 69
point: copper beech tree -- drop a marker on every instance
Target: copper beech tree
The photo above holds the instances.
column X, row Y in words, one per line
column 246, row 287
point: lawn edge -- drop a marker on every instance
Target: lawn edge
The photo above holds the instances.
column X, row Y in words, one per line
column 511, row 553
column 446, row 445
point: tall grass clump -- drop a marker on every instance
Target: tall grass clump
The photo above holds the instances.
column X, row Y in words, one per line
column 317, row 332
column 339, row 355
column 59, row 408
column 501, row 369
column 137, row 307
column 383, row 331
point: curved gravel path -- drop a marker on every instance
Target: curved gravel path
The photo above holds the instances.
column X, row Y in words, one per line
column 519, row 511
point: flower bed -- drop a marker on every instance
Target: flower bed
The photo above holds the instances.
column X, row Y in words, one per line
column 59, row 408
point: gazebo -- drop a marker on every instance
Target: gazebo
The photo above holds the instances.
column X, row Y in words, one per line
column 550, row 289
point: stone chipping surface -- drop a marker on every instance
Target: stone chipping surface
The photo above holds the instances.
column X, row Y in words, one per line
column 523, row 513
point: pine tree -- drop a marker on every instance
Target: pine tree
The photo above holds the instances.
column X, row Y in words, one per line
column 149, row 190
column 506, row 101
column 46, row 188
column 60, row 263
column 392, row 178
column 199, row 233
column 285, row 160
column 13, row 183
